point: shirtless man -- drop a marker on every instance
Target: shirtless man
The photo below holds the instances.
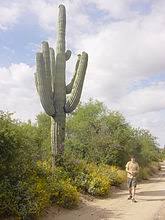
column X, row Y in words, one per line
column 132, row 169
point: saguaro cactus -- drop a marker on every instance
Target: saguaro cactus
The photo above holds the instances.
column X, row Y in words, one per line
column 56, row 97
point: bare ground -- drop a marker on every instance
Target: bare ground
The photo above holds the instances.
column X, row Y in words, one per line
column 150, row 205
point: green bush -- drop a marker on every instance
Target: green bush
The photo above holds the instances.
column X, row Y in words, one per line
column 64, row 194
column 90, row 177
column 97, row 179
column 24, row 197
column 98, row 184
column 154, row 167
column 59, row 186
column 29, row 197
column 146, row 172
column 94, row 136
column 115, row 175
column 26, row 183
column 98, row 135
column 143, row 173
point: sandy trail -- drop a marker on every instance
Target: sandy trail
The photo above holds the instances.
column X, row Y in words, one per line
column 150, row 206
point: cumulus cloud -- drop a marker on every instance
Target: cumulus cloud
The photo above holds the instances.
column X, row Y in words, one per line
column 148, row 99
column 124, row 53
column 9, row 15
column 17, row 91
column 47, row 11
column 153, row 121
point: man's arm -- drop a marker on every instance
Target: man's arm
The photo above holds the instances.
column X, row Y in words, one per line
column 127, row 168
column 137, row 170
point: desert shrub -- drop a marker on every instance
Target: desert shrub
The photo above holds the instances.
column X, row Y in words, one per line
column 97, row 179
column 101, row 177
column 63, row 193
column 121, row 177
column 116, row 176
column 143, row 173
column 86, row 177
column 98, row 184
column 90, row 177
column 81, row 181
column 70, row 164
column 98, row 135
column 146, row 172
column 23, row 198
column 29, row 197
column 59, row 186
column 27, row 182
column 154, row 167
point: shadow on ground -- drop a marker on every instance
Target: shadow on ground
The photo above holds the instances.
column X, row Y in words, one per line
column 152, row 193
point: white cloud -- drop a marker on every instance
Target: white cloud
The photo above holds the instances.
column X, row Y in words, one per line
column 118, row 9
column 122, row 54
column 9, row 15
column 153, row 121
column 46, row 13
column 148, row 99
column 17, row 91
column 76, row 18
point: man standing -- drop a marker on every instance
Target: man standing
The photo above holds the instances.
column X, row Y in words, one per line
column 132, row 169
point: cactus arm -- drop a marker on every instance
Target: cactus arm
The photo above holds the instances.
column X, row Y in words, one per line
column 44, row 85
column 52, row 67
column 46, row 56
column 68, row 55
column 70, row 85
column 74, row 98
column 36, row 82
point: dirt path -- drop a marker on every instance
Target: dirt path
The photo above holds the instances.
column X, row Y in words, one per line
column 150, row 206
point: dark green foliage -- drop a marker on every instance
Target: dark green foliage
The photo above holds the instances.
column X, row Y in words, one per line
column 19, row 145
column 97, row 135
column 101, row 136
column 43, row 127
column 27, row 182
column 89, row 177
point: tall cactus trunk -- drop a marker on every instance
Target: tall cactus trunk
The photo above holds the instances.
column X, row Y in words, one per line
column 56, row 98
column 57, row 136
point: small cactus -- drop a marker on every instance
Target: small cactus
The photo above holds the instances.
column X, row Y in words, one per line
column 56, row 97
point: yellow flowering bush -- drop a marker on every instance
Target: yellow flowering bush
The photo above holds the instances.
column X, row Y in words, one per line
column 98, row 184
column 115, row 175
column 25, row 198
column 64, row 194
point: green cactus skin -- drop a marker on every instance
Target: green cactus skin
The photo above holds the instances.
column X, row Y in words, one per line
column 56, row 98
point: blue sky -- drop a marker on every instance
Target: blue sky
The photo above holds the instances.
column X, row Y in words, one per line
column 125, row 40
column 19, row 43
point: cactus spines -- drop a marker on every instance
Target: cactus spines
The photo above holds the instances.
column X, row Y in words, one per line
column 56, row 98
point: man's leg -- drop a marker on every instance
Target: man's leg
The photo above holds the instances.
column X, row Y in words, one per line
column 129, row 183
column 130, row 193
column 134, row 190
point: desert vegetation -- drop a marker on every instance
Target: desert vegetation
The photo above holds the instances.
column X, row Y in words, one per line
column 98, row 144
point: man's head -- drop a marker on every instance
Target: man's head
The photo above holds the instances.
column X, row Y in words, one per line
column 133, row 158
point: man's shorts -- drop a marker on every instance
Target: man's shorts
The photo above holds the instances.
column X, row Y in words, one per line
column 131, row 182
